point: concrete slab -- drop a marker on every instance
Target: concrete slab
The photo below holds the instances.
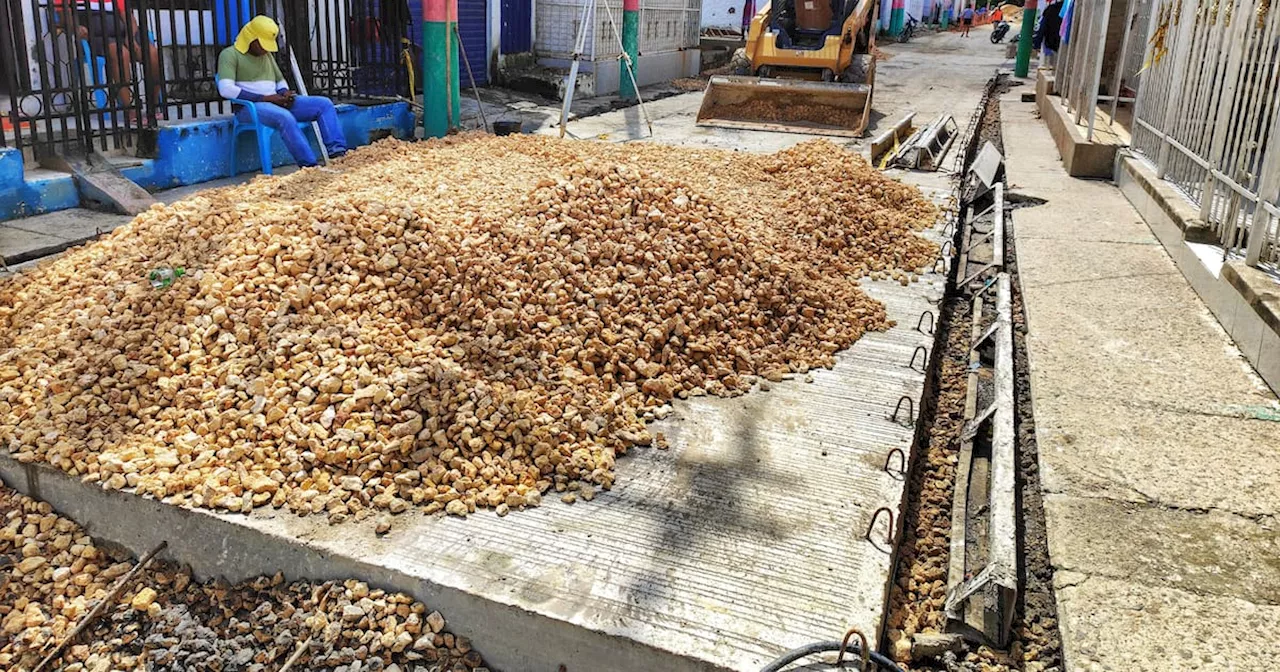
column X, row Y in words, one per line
column 1089, row 219
column 1116, row 624
column 1135, row 452
column 1057, row 261
column 1269, row 362
column 746, row 538
column 1215, row 552
column 1136, row 339
column 1245, row 300
column 1081, row 156
column 67, row 225
column 15, row 242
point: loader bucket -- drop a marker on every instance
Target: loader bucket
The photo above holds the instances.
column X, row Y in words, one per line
column 788, row 105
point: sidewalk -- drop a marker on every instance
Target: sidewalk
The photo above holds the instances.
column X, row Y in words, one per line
column 1161, row 486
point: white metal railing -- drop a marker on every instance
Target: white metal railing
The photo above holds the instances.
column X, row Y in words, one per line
column 1208, row 116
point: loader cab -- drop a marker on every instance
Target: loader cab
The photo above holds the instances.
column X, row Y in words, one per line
column 806, row 24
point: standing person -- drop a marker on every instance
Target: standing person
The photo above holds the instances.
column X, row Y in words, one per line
column 1048, row 37
column 966, row 20
column 246, row 71
column 748, row 13
column 112, row 32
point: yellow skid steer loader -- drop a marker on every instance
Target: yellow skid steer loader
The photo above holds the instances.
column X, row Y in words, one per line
column 808, row 68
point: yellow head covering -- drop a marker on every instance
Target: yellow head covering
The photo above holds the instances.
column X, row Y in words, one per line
column 262, row 29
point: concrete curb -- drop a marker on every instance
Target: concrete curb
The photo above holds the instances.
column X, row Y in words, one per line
column 221, row 545
column 1245, row 301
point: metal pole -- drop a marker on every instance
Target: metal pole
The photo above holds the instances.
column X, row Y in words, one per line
column 1124, row 56
column 1080, row 80
column 484, row 123
column 630, row 71
column 1268, row 192
column 439, row 68
column 1182, row 49
column 1023, row 65
column 1220, row 114
column 587, row 6
column 302, row 89
column 897, row 16
column 1097, row 68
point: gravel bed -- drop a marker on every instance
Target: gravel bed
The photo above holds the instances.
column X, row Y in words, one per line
column 52, row 574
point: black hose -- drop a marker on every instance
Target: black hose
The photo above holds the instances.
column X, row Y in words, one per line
column 821, row 647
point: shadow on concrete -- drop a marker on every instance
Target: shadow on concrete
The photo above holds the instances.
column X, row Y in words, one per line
column 709, row 508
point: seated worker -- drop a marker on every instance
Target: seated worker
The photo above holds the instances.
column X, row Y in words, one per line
column 247, row 71
column 113, row 33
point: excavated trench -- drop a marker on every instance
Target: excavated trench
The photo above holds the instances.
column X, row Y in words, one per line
column 916, row 619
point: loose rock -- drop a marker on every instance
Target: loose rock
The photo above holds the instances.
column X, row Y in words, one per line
column 490, row 313
column 172, row 624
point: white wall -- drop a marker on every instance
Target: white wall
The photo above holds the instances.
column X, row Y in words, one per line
column 724, row 13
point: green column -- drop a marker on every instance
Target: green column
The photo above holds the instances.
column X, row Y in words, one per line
column 440, row 102
column 1023, row 64
column 631, row 46
column 897, row 16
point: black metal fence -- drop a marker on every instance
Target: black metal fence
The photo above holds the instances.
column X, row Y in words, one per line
column 96, row 74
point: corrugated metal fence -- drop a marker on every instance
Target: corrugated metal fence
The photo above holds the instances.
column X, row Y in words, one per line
column 1208, row 116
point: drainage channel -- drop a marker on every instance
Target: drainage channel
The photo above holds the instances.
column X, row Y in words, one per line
column 973, row 588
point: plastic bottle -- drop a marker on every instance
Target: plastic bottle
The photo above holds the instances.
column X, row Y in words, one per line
column 162, row 277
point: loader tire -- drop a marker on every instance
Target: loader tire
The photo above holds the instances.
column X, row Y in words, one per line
column 739, row 64
column 857, row 71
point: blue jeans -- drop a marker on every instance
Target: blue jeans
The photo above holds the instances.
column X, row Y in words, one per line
column 285, row 122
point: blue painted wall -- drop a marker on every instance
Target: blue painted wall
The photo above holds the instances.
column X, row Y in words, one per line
column 189, row 154
column 517, row 26
column 20, row 199
column 473, row 26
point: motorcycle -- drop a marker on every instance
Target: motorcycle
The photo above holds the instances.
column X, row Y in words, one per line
column 999, row 31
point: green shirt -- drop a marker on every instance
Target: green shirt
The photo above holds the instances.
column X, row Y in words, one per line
column 240, row 74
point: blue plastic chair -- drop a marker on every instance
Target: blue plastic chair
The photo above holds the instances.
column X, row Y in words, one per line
column 95, row 70
column 262, row 132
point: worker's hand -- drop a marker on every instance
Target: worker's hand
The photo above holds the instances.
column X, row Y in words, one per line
column 277, row 99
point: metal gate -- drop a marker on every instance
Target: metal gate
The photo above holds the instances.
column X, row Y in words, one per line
column 1208, row 116
column 72, row 85
column 352, row 48
column 93, row 74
